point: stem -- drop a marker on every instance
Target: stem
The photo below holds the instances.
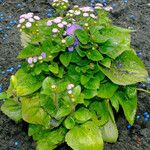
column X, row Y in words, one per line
column 55, row 100
column 146, row 91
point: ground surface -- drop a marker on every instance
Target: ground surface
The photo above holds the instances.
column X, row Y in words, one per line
column 135, row 15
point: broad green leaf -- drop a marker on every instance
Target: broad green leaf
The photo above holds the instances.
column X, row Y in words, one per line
column 47, row 103
column 89, row 93
column 119, row 41
column 30, row 51
column 82, row 36
column 12, row 109
column 132, row 69
column 85, row 137
column 82, row 115
column 107, row 90
column 84, row 79
column 3, row 95
column 65, row 58
column 25, row 39
column 129, row 106
column 80, row 51
column 33, row 113
column 94, row 55
column 70, row 40
column 23, row 84
column 106, row 62
column 54, row 68
column 115, row 101
column 100, row 112
column 93, row 83
column 69, row 122
column 50, row 140
column 41, row 67
column 97, row 36
column 110, row 132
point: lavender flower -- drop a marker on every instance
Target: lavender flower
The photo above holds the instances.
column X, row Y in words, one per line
column 30, row 60
column 72, row 28
column 43, row 54
column 70, row 48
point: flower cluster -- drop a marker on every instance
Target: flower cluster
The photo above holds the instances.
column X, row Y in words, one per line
column 32, row 60
column 69, row 88
column 100, row 6
column 60, row 4
column 27, row 20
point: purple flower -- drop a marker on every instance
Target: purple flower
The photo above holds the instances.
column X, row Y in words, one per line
column 72, row 28
column 30, row 60
column 43, row 54
column 70, row 48
column 76, row 42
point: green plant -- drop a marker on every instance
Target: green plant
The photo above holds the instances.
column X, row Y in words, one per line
column 78, row 67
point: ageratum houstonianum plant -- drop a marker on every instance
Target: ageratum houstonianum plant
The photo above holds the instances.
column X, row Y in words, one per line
column 78, row 68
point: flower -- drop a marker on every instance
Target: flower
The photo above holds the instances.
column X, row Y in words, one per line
column 28, row 25
column 108, row 8
column 93, row 16
column 57, row 20
column 64, row 23
column 21, row 20
column 43, row 54
column 70, row 86
column 70, row 48
column 36, row 17
column 55, row 30
column 30, row 60
column 85, row 14
column 49, row 23
column 87, row 9
column 77, row 12
column 60, row 25
column 31, row 20
column 72, row 28
column 63, row 41
column 35, row 58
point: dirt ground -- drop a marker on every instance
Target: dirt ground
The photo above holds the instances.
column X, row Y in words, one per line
column 134, row 14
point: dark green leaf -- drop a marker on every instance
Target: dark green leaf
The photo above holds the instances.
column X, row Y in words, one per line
column 89, row 93
column 106, row 62
column 115, row 101
column 94, row 55
column 82, row 36
column 3, row 95
column 65, row 58
column 70, row 40
column 69, row 122
column 84, row 79
column 54, row 68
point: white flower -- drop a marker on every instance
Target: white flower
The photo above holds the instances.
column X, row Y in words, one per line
column 66, row 1
column 49, row 23
column 77, row 12
column 64, row 23
column 71, row 11
column 60, row 25
column 53, row 86
column 57, row 20
column 63, row 41
column 108, row 8
column 70, row 86
column 28, row 25
column 31, row 20
column 70, row 92
column 36, row 17
column 87, row 9
column 86, row 24
column 93, row 16
column 100, row 5
column 85, row 14
column 19, row 25
column 76, row 6
column 21, row 20
column 55, row 30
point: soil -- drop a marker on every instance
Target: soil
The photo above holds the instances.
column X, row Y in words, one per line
column 134, row 14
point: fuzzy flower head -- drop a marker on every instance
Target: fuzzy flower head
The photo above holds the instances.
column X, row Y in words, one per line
column 70, row 30
column 60, row 4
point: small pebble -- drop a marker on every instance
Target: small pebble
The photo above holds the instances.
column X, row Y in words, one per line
column 138, row 117
column 129, row 126
column 139, row 54
column 148, row 79
column 19, row 66
column 1, row 89
column 13, row 22
column 49, row 15
column 125, row 1
column 142, row 85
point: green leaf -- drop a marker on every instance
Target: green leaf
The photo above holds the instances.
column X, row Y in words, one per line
column 41, row 67
column 80, row 51
column 70, row 40
column 47, row 104
column 97, row 36
column 89, row 93
column 51, row 139
column 115, row 101
column 85, row 137
column 82, row 115
column 100, row 112
column 110, row 132
column 33, row 113
column 3, row 95
column 12, row 109
column 107, row 90
column 94, row 55
column 93, row 83
column 69, row 122
column 84, row 79
column 54, row 68
column 129, row 106
column 23, row 84
column 30, row 51
column 106, row 62
column 65, row 58
column 82, row 36
column 132, row 69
